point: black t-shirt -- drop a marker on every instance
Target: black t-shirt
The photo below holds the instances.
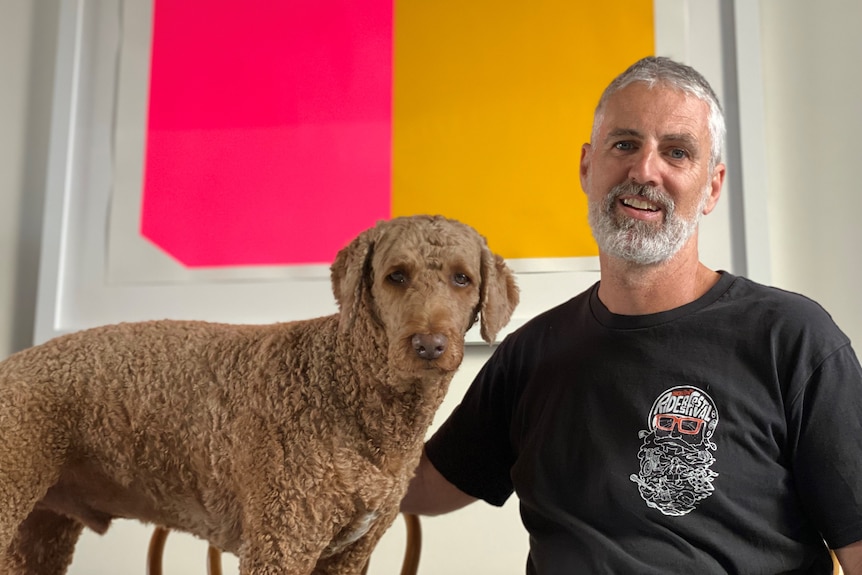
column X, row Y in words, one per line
column 724, row 436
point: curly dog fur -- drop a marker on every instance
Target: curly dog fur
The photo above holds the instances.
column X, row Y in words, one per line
column 289, row 444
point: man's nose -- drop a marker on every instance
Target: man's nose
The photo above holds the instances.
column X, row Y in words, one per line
column 645, row 169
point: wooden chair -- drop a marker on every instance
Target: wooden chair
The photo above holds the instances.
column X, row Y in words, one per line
column 409, row 566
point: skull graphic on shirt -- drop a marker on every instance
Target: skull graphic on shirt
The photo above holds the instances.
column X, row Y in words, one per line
column 676, row 454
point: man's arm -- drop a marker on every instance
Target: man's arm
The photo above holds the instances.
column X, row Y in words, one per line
column 429, row 493
column 850, row 558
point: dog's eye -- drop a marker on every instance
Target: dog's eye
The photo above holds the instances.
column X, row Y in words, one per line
column 461, row 280
column 397, row 277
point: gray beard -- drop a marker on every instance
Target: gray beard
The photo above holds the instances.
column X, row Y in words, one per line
column 637, row 241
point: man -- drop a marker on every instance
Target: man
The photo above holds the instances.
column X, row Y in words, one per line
column 671, row 418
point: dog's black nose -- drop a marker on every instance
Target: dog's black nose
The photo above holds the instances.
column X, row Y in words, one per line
column 430, row 345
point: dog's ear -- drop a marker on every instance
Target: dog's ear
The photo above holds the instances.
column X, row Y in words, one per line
column 499, row 295
column 350, row 274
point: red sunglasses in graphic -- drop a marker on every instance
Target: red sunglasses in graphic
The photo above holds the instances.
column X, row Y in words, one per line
column 687, row 425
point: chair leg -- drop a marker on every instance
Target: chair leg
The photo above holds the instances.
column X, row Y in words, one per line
column 414, row 545
column 410, row 565
column 213, row 561
column 156, row 550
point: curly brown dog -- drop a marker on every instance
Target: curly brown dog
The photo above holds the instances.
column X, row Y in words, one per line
column 289, row 445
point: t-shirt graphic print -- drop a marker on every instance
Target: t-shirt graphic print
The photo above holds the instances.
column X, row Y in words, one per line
column 676, row 455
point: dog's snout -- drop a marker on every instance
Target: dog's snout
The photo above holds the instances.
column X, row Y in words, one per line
column 430, row 345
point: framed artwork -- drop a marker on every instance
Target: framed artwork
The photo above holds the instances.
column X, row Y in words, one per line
column 210, row 157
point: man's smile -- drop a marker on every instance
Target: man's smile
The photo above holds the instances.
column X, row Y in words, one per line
column 639, row 204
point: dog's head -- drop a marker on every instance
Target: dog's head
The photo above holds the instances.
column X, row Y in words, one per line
column 423, row 280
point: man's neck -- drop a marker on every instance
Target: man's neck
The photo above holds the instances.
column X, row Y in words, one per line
column 629, row 289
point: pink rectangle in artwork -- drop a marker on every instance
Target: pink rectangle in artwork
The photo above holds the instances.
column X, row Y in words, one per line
column 269, row 128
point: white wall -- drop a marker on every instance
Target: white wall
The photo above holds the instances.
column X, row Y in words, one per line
column 812, row 57
column 812, row 84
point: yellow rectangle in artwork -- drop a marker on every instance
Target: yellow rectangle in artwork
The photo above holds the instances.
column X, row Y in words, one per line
column 492, row 102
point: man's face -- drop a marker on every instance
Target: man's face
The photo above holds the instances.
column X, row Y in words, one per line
column 646, row 174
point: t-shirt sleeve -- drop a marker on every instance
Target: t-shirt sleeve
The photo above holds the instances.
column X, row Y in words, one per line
column 472, row 449
column 826, row 421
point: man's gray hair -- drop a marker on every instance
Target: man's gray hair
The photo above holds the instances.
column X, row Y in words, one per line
column 655, row 70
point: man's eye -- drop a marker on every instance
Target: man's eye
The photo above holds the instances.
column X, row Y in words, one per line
column 624, row 146
column 678, row 154
column 461, row 280
column 397, row 277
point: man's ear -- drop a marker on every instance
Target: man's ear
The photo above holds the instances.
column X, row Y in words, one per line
column 715, row 185
column 586, row 150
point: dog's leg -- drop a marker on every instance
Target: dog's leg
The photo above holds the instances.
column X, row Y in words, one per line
column 274, row 543
column 43, row 545
column 31, row 455
column 268, row 555
column 19, row 494
column 352, row 559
